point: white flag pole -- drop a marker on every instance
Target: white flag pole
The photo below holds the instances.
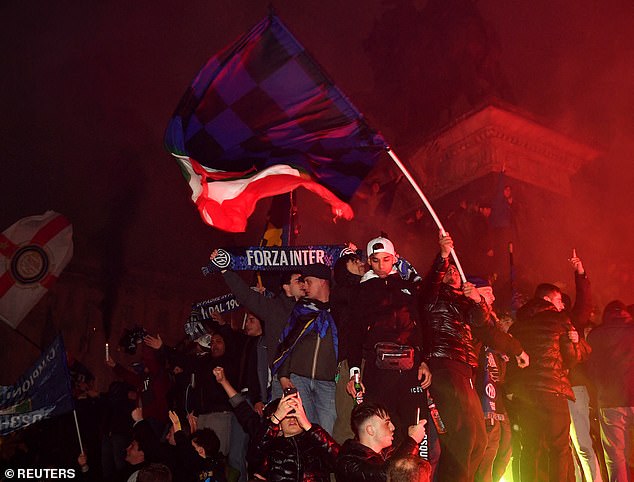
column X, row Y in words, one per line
column 420, row 193
column 81, row 446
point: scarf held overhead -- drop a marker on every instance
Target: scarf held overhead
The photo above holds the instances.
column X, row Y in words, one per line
column 274, row 258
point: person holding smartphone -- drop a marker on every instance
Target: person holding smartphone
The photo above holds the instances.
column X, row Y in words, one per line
column 295, row 448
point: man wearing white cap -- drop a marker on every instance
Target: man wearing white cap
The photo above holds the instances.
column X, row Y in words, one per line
column 387, row 336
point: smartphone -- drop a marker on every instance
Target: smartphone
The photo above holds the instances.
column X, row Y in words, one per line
column 290, row 391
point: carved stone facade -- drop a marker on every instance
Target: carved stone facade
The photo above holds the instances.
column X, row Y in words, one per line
column 496, row 139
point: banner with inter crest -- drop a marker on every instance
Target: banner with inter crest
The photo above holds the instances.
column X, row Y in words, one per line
column 274, row 258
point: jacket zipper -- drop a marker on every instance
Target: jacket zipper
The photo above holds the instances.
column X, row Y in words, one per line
column 315, row 355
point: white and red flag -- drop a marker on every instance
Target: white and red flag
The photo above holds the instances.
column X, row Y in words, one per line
column 33, row 253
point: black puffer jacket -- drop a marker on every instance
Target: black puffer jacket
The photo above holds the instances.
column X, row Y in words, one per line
column 386, row 310
column 307, row 457
column 358, row 463
column 543, row 332
column 452, row 322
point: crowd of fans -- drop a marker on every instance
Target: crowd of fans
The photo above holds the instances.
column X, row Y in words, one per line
column 370, row 372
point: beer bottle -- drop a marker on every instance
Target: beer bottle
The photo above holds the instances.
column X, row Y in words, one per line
column 435, row 415
column 358, row 389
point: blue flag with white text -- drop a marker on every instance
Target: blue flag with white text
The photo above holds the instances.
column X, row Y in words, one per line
column 44, row 391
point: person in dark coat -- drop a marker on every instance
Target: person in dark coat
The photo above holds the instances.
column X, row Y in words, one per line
column 611, row 367
column 456, row 321
column 386, row 318
column 366, row 457
column 295, row 449
column 541, row 392
column 199, row 455
column 347, row 271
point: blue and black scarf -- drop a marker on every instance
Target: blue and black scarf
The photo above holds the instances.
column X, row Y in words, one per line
column 307, row 316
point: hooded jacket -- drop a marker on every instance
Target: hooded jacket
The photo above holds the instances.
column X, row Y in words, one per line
column 543, row 332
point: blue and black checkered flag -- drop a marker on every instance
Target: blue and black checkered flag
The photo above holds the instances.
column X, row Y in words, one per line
column 262, row 118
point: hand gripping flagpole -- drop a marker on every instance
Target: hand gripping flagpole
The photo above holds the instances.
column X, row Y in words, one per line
column 420, row 193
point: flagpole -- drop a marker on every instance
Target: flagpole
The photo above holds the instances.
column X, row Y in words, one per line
column 429, row 207
column 27, row 339
column 81, row 446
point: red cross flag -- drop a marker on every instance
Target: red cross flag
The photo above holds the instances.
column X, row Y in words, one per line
column 33, row 253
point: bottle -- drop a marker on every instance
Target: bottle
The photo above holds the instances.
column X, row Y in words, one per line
column 435, row 415
column 358, row 389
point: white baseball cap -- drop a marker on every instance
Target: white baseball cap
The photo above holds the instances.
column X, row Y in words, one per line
column 380, row 245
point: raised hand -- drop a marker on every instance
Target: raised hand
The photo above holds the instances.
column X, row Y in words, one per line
column 417, row 432
column 153, row 341
column 446, row 244
column 576, row 263
column 137, row 414
column 176, row 422
column 470, row 291
column 219, row 373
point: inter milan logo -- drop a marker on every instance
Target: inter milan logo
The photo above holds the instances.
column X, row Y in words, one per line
column 29, row 264
column 222, row 259
column 490, row 391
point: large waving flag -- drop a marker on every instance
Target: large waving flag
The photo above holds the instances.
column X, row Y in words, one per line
column 261, row 118
column 33, row 253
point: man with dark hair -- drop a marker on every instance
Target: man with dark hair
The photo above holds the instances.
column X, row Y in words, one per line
column 365, row 458
column 198, row 453
column 295, row 449
column 550, row 293
column 580, row 315
column 409, row 468
column 611, row 366
column 456, row 318
column 348, row 271
column 540, row 392
column 385, row 333
column 273, row 312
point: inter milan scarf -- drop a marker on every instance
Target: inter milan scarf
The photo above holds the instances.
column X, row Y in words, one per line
column 491, row 377
column 307, row 316
column 407, row 271
column 274, row 258
column 202, row 311
column 403, row 267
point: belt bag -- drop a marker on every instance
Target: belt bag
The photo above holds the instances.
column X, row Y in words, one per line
column 392, row 356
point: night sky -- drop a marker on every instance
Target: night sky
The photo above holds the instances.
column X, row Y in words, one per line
column 87, row 89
